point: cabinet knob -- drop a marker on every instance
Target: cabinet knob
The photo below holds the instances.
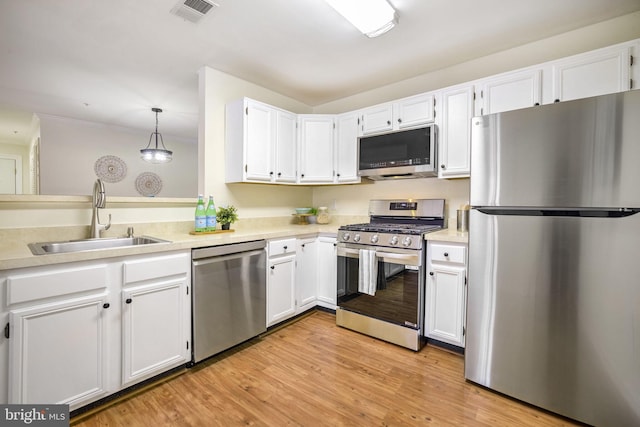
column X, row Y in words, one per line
column 128, row 300
column 399, row 120
column 388, row 122
column 431, row 273
column 442, row 167
column 536, row 104
column 302, row 176
column 279, row 174
column 106, row 305
column 446, row 254
column 557, row 100
column 271, row 173
column 285, row 247
column 273, row 267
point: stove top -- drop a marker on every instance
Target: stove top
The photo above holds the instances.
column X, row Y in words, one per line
column 411, row 229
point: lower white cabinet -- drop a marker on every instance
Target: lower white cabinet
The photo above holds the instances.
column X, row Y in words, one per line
column 446, row 294
column 58, row 352
column 306, row 273
column 281, row 280
column 327, row 272
column 71, row 336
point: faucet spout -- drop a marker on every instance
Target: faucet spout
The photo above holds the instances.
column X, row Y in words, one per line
column 98, row 202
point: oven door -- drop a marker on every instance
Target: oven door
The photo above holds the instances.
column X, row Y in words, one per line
column 399, row 290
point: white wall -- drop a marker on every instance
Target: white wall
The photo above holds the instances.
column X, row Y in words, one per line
column 70, row 148
column 23, row 152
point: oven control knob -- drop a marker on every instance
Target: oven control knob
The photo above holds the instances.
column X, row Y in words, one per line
column 393, row 241
column 374, row 238
column 346, row 236
column 356, row 237
column 406, row 241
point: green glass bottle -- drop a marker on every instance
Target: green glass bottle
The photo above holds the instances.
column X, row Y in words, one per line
column 201, row 215
column 211, row 215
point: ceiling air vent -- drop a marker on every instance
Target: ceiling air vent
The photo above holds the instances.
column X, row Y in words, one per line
column 193, row 10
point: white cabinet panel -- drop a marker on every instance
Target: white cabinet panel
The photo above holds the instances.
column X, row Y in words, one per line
column 455, row 132
column 595, row 73
column 154, row 329
column 317, row 135
column 414, row 111
column 286, row 143
column 510, row 91
column 281, row 298
column 260, row 139
column 346, row 159
column 377, row 119
column 306, row 274
column 58, row 352
column 327, row 273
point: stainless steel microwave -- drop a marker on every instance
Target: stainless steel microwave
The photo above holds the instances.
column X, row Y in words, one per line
column 402, row 154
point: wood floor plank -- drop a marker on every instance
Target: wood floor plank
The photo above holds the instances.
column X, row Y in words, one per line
column 313, row 373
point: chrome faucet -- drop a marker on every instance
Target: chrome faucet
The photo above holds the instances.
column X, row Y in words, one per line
column 99, row 200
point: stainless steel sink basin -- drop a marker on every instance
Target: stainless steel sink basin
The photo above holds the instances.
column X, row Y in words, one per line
column 43, row 248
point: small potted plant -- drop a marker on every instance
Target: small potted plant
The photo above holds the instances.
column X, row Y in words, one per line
column 227, row 216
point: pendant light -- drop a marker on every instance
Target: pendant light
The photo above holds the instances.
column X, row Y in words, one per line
column 156, row 155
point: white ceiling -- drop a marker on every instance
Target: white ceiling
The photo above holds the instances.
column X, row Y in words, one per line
column 111, row 61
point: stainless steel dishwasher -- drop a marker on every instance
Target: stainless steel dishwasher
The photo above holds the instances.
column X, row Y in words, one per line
column 229, row 296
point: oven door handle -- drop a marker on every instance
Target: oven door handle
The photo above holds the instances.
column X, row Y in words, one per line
column 408, row 259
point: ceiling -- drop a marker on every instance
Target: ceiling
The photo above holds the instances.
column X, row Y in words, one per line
column 111, row 61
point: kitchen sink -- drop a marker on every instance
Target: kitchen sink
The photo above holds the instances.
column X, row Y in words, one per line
column 43, row 248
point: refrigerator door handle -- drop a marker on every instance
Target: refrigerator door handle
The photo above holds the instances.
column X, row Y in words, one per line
column 566, row 212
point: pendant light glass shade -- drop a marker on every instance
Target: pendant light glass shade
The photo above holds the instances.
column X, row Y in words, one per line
column 156, row 155
column 372, row 17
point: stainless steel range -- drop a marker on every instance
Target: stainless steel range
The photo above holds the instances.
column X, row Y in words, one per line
column 381, row 274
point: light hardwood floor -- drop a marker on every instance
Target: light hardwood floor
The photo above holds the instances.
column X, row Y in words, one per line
column 313, row 373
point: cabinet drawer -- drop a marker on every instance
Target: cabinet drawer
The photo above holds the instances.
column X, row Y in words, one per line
column 448, row 253
column 155, row 267
column 280, row 247
column 55, row 282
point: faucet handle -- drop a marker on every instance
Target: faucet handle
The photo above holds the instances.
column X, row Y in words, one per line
column 108, row 224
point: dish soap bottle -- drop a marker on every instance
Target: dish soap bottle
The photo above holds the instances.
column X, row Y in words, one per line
column 211, row 215
column 201, row 216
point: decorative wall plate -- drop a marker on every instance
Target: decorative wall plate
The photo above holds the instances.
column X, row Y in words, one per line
column 110, row 168
column 148, row 184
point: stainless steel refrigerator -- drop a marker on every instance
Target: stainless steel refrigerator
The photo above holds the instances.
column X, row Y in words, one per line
column 553, row 312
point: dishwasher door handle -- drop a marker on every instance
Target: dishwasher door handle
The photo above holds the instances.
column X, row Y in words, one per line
column 220, row 258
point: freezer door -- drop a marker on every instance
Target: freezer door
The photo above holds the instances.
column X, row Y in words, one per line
column 553, row 314
column 582, row 153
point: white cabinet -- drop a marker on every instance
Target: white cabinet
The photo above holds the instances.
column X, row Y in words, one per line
column 510, row 91
column 155, row 316
column 404, row 113
column 281, row 280
column 317, row 136
column 327, row 273
column 446, row 292
column 346, row 151
column 260, row 143
column 306, row 273
column 454, row 123
column 595, row 73
column 58, row 330
column 58, row 352
column 81, row 331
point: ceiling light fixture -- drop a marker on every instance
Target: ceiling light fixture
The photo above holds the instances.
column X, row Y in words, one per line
column 372, row 18
column 156, row 155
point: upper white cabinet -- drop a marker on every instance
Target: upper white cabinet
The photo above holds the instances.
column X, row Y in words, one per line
column 317, row 138
column 454, row 125
column 594, row 73
column 509, row 91
column 260, row 143
column 403, row 113
column 346, row 150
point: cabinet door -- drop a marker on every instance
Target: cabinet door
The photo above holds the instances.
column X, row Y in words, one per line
column 306, row 274
column 327, row 274
column 259, row 139
column 510, row 92
column 347, row 148
column 285, row 158
column 316, row 148
column 414, row 111
column 444, row 312
column 281, row 298
column 155, row 321
column 596, row 73
column 455, row 132
column 58, row 352
column 377, row 119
